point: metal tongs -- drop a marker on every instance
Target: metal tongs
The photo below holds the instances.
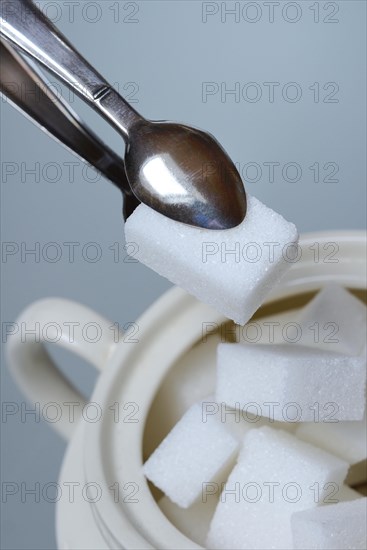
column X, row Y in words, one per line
column 179, row 171
column 28, row 90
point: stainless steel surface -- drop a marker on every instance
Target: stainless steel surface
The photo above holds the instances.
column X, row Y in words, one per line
column 22, row 85
column 185, row 174
column 181, row 172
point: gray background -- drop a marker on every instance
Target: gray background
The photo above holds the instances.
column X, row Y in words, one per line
column 167, row 54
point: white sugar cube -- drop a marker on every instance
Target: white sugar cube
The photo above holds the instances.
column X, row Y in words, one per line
column 348, row 440
column 232, row 270
column 276, row 475
column 193, row 454
column 291, row 383
column 335, row 527
column 194, row 521
column 334, row 320
column 239, row 421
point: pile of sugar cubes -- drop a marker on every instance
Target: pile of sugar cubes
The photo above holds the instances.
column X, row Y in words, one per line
column 264, row 462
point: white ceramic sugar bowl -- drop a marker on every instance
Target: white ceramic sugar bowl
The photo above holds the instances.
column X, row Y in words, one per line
column 106, row 502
